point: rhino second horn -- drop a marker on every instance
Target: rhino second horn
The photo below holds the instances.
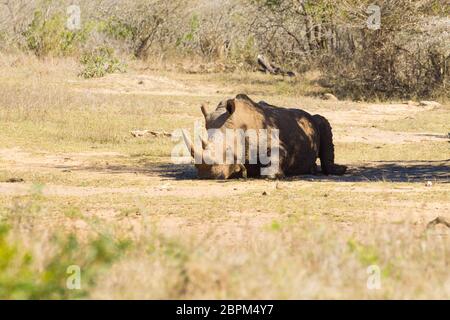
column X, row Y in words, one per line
column 205, row 113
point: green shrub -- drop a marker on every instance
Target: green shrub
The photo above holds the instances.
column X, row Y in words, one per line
column 20, row 278
column 51, row 37
column 100, row 62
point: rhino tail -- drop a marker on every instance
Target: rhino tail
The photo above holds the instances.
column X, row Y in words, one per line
column 326, row 149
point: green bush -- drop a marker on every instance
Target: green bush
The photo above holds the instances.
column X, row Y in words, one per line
column 51, row 37
column 100, row 62
column 20, row 278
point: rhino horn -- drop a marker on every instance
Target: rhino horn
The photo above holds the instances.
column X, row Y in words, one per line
column 195, row 153
column 189, row 144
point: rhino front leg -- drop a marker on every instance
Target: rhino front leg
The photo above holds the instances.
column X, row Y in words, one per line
column 326, row 150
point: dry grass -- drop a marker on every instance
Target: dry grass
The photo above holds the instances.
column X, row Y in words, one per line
column 309, row 237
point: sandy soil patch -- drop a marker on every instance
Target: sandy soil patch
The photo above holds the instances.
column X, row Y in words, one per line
column 142, row 84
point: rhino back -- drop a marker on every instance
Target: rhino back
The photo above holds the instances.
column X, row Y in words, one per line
column 299, row 138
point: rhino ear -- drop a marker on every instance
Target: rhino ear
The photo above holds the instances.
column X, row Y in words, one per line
column 231, row 106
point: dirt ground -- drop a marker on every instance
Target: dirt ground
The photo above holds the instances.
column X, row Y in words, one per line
column 68, row 164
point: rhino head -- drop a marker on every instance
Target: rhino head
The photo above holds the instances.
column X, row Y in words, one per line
column 224, row 117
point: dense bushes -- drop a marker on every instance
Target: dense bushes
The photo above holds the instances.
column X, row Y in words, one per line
column 407, row 57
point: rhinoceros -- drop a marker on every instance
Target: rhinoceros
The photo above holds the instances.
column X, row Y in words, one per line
column 302, row 138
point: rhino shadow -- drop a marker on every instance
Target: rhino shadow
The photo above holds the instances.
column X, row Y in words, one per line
column 407, row 171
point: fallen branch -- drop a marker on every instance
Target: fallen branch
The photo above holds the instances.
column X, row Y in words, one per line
column 146, row 133
column 14, row 180
column 267, row 66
